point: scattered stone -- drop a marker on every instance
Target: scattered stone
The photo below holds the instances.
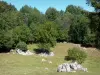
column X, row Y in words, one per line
column 29, row 53
column 64, row 42
column 13, row 53
column 77, row 45
column 24, row 53
column 43, row 60
column 50, row 62
column 73, row 71
column 51, row 54
column 70, row 67
column 46, row 54
column 11, row 50
column 84, row 48
column 43, row 54
column 8, row 53
column 46, row 69
column 85, row 69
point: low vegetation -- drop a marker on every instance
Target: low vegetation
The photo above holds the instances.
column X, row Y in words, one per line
column 75, row 54
column 14, row 64
column 22, row 46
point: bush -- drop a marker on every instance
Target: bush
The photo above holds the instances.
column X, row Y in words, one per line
column 22, row 46
column 45, row 47
column 77, row 54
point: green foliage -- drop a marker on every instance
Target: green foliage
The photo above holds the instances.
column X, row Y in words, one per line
column 22, row 46
column 4, row 7
column 94, row 22
column 89, row 40
column 45, row 46
column 6, row 40
column 62, row 35
column 94, row 3
column 21, row 33
column 76, row 10
column 77, row 54
column 98, row 36
column 46, row 34
column 26, row 9
column 30, row 25
column 79, row 29
column 51, row 14
column 37, row 17
column 31, row 15
column 9, row 20
column 63, row 21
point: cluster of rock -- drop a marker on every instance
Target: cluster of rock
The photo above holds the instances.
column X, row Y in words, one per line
column 24, row 53
column 70, row 67
column 46, row 54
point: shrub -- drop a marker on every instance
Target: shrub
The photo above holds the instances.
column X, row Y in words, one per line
column 22, row 46
column 77, row 54
column 45, row 47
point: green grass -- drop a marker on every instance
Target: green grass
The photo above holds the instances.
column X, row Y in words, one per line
column 14, row 64
column 32, row 46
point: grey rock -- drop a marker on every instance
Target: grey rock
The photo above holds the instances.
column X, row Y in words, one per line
column 46, row 55
column 51, row 54
column 70, row 67
column 24, row 53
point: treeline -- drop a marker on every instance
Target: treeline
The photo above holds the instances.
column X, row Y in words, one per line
column 29, row 25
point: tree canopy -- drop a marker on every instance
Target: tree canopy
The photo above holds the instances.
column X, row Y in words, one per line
column 29, row 25
column 95, row 4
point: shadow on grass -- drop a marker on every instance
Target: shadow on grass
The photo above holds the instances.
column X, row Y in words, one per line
column 69, row 58
column 4, row 50
column 88, row 45
column 38, row 51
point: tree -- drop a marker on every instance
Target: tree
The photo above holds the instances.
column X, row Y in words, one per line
column 63, row 22
column 94, row 22
column 9, row 20
column 62, row 34
column 37, row 17
column 5, row 7
column 21, row 33
column 33, row 28
column 31, row 15
column 6, row 41
column 46, row 35
column 26, row 13
column 74, row 10
column 79, row 29
column 51, row 14
column 95, row 4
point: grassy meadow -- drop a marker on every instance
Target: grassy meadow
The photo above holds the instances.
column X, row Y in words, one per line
column 14, row 64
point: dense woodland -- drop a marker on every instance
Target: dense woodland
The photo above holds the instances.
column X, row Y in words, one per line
column 29, row 25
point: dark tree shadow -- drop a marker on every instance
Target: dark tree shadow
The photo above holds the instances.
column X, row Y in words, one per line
column 38, row 51
column 88, row 45
column 69, row 58
column 4, row 50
